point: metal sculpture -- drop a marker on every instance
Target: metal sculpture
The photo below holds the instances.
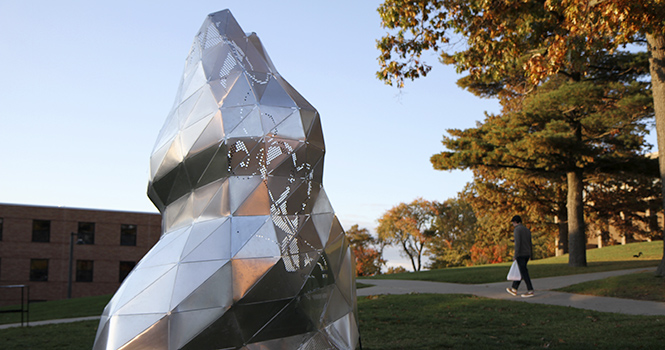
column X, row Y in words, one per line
column 251, row 255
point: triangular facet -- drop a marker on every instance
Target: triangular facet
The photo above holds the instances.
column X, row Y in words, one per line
column 250, row 126
column 276, row 96
column 219, row 205
column 127, row 327
column 196, row 164
column 323, row 223
column 211, row 135
column 152, row 299
column 232, row 116
column 240, row 94
column 215, row 292
column 136, row 282
column 240, row 188
column 184, row 326
column 206, row 105
column 218, row 167
column 243, row 228
column 246, row 272
column 290, row 128
column 315, row 135
column 171, row 159
column 201, row 231
column 216, row 246
column 193, row 82
column 263, row 244
column 291, row 320
column 190, row 276
column 272, row 116
column 190, row 134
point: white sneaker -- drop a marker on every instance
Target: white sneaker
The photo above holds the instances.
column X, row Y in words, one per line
column 528, row 294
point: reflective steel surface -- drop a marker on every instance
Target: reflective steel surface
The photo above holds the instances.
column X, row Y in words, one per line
column 252, row 255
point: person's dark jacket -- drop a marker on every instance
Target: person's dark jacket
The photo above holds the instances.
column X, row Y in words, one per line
column 522, row 241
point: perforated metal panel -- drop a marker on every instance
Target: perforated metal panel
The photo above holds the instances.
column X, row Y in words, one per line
column 252, row 255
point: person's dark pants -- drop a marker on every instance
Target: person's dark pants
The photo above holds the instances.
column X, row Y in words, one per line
column 521, row 264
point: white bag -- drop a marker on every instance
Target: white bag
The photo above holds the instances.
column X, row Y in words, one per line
column 514, row 273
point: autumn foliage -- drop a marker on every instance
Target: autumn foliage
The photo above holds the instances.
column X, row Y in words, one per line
column 489, row 254
column 553, row 65
column 368, row 252
column 410, row 227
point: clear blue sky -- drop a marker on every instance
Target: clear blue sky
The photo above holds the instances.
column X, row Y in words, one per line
column 86, row 86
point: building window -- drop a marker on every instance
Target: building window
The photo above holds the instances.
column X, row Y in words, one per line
column 0, row 229
column 84, row 270
column 125, row 268
column 87, row 232
column 41, row 231
column 39, row 270
column 128, row 234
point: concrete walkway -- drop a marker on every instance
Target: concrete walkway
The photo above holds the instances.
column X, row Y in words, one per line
column 543, row 288
column 40, row 323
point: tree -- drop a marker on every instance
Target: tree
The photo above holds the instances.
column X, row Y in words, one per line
column 624, row 201
column 395, row 269
column 497, row 39
column 497, row 194
column 618, row 22
column 455, row 233
column 565, row 127
column 368, row 252
column 627, row 202
column 410, row 227
column 537, row 38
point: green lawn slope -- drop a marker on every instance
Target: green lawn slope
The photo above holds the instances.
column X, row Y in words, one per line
column 598, row 260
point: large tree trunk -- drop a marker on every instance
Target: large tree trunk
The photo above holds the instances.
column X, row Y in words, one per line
column 657, row 68
column 576, row 234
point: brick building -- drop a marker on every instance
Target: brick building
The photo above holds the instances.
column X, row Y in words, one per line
column 35, row 244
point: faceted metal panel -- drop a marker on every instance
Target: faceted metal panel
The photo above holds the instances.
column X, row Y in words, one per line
column 251, row 254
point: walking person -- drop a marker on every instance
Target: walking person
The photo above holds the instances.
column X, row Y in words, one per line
column 522, row 255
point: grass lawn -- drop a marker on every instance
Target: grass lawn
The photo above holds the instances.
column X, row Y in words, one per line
column 64, row 336
column 639, row 286
column 425, row 321
column 68, row 308
column 598, row 260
